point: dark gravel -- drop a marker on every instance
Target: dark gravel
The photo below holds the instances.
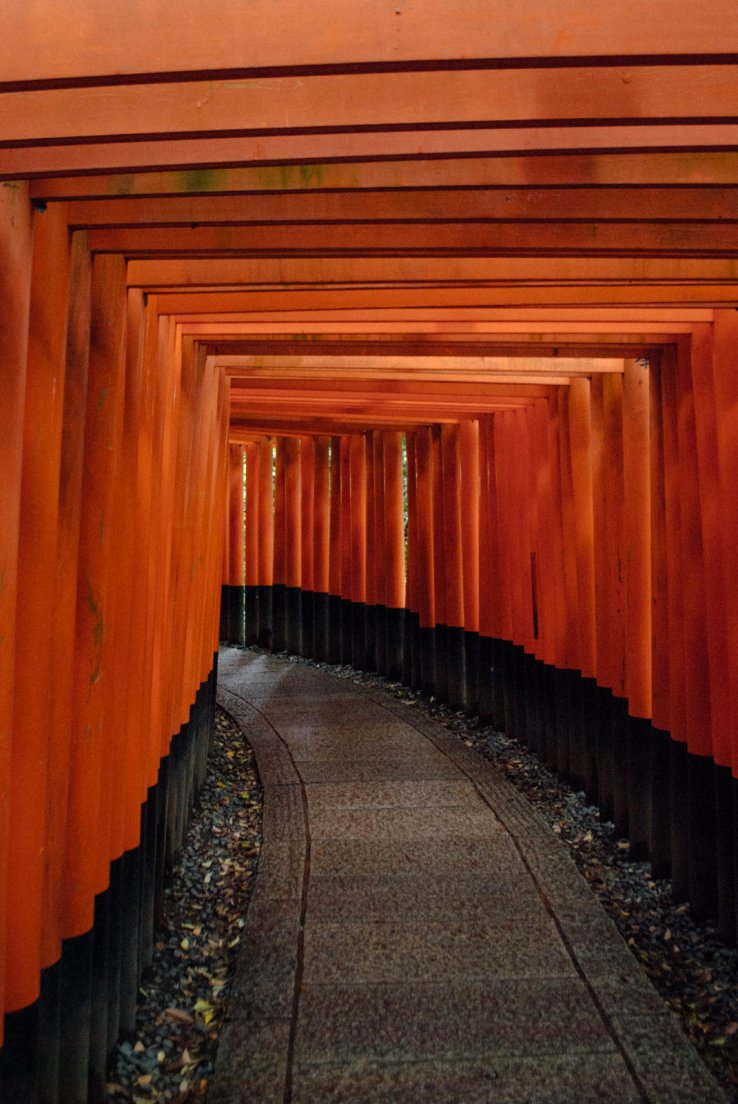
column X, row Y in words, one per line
column 692, row 969
column 171, row 1055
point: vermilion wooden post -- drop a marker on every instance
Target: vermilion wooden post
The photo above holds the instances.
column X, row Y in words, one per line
column 15, row 254
column 489, row 643
column 265, row 448
column 677, row 641
column 279, row 627
column 426, row 558
column 394, row 551
column 380, row 563
column 637, row 567
column 411, row 657
column 307, row 514
column 469, row 504
column 292, row 542
column 252, row 543
column 346, row 551
column 374, row 553
column 603, row 606
column 660, row 828
column 237, row 545
column 357, row 465
column 725, row 343
column 439, row 565
column 33, row 750
column 102, row 438
column 700, row 777
column 336, row 551
column 454, row 564
column 321, row 545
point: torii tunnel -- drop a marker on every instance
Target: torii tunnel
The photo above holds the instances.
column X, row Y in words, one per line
column 410, row 327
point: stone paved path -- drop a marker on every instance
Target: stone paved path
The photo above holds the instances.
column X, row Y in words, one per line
column 416, row 931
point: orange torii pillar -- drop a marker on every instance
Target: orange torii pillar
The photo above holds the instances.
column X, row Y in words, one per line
column 292, row 544
column 307, row 523
column 336, row 530
column 394, row 553
column 265, row 525
column 453, row 566
column 251, row 579
column 424, row 533
column 373, row 551
column 278, row 624
column 357, row 592
column 345, row 567
column 321, row 546
column 470, row 529
column 411, row 647
column 236, row 579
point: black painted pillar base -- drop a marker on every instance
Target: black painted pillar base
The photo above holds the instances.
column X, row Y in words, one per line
column 251, row 603
column 236, row 615
column 455, row 667
column 660, row 804
column 394, row 621
column 471, row 672
column 702, row 837
column 640, row 771
column 380, row 639
column 279, row 617
column 678, row 776
column 619, row 737
column 370, row 637
column 265, row 612
column 307, row 624
column 293, row 620
column 321, row 627
column 334, row 629
column 724, row 854
column 410, row 653
column 427, row 662
column 358, row 636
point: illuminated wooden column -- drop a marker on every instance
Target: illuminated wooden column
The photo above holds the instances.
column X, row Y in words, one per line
column 425, row 567
column 279, row 582
column 491, row 706
column 636, row 416
column 33, row 934
column 237, row 546
column 345, row 574
column 375, row 626
column 321, row 546
column 358, row 536
column 440, row 581
column 394, row 552
column 470, row 531
column 702, row 884
column 307, row 522
column 292, row 544
column 16, row 247
column 411, row 652
column 335, row 551
column 251, row 601
column 265, row 452
column 453, row 564
column 724, row 393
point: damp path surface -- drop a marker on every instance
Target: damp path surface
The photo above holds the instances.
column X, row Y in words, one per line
column 416, row 931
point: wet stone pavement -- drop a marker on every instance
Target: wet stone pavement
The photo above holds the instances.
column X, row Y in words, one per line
column 416, row 931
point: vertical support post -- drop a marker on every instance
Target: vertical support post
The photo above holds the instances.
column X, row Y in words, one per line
column 394, row 552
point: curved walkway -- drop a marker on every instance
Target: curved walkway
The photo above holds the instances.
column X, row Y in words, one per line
column 416, row 932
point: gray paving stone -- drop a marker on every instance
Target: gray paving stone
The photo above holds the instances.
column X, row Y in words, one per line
column 388, row 768
column 264, row 984
column 488, row 899
column 434, row 858
column 382, row 952
column 252, row 1062
column 390, row 795
column 440, row 1022
column 349, row 744
column 404, row 824
column 581, row 1078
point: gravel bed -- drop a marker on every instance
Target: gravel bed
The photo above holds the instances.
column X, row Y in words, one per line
column 171, row 1054
column 689, row 965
